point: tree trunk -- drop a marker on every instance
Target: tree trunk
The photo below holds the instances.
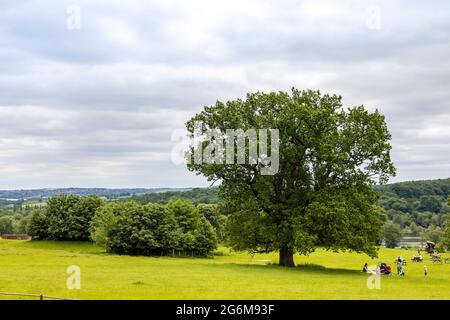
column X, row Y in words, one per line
column 286, row 257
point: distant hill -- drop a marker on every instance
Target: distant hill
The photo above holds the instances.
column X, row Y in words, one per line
column 417, row 189
column 415, row 206
column 30, row 194
column 409, row 191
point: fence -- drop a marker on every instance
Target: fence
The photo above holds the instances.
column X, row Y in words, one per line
column 40, row 296
column 15, row 237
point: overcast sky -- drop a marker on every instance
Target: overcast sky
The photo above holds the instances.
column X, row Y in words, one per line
column 96, row 103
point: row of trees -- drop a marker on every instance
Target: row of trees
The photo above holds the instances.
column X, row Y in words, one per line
column 417, row 189
column 178, row 226
column 6, row 225
column 14, row 224
column 130, row 227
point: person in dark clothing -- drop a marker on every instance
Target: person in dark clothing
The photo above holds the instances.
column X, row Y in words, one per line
column 365, row 268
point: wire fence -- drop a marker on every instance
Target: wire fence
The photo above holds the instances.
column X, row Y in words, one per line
column 40, row 296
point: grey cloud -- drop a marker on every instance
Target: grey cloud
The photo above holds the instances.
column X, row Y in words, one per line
column 97, row 107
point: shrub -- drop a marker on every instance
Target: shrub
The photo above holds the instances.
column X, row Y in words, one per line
column 22, row 225
column 143, row 230
column 39, row 225
column 6, row 225
column 212, row 213
column 102, row 222
column 154, row 229
column 66, row 217
column 205, row 239
column 440, row 247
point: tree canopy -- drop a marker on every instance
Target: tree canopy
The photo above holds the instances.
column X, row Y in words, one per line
column 6, row 225
column 153, row 229
column 391, row 234
column 66, row 217
column 329, row 159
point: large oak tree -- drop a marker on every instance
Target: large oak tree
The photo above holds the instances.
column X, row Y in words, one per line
column 329, row 159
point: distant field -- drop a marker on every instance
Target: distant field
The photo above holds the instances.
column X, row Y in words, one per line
column 40, row 267
column 34, row 204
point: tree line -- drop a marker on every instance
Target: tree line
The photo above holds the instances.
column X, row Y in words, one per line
column 425, row 216
column 414, row 208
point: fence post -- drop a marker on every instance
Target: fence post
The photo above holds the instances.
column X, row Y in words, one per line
column 41, row 297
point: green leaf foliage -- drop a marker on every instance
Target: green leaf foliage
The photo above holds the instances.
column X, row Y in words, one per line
column 391, row 234
column 153, row 229
column 327, row 153
column 66, row 217
column 6, row 225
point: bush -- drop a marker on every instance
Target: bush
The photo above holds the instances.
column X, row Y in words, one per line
column 143, row 230
column 153, row 229
column 102, row 222
column 6, row 225
column 22, row 225
column 440, row 247
column 66, row 217
column 197, row 234
column 39, row 225
column 212, row 213
column 205, row 238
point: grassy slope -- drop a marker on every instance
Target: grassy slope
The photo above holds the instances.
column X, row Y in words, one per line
column 39, row 267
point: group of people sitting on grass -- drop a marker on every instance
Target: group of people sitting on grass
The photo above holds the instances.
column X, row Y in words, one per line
column 386, row 269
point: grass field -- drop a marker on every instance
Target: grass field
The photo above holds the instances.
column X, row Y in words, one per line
column 40, row 267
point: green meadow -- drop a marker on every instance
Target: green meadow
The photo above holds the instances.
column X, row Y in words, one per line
column 40, row 267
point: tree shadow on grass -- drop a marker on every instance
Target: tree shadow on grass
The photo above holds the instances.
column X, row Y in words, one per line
column 306, row 267
column 70, row 246
column 317, row 268
column 174, row 257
